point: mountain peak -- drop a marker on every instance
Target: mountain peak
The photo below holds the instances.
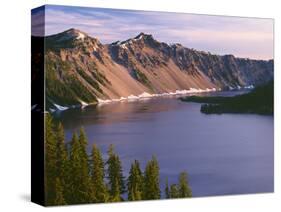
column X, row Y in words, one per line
column 177, row 45
column 75, row 33
column 71, row 30
column 71, row 38
column 143, row 36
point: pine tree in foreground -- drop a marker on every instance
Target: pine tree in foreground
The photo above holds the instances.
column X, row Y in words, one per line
column 75, row 170
column 83, row 146
column 62, row 166
column 183, row 187
column 80, row 187
column 135, row 182
column 115, row 176
column 151, row 180
column 59, row 197
column 61, row 152
column 174, row 192
column 100, row 193
column 50, row 160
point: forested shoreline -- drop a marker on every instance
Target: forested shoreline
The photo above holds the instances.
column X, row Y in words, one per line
column 258, row 101
column 74, row 177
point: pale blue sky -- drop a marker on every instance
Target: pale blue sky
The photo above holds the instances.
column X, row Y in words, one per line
column 242, row 37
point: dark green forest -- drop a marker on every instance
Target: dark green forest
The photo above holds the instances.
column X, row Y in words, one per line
column 74, row 177
column 258, row 101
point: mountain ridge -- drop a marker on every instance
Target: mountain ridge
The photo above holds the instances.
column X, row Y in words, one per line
column 80, row 69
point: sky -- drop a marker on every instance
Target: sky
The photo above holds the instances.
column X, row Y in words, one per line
column 243, row 37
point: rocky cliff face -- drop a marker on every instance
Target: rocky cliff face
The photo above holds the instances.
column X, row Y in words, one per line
column 79, row 69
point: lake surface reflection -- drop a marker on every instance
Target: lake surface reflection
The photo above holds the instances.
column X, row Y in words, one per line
column 223, row 154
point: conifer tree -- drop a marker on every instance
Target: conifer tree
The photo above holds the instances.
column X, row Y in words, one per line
column 74, row 169
column 62, row 156
column 59, row 197
column 115, row 194
column 135, row 182
column 174, row 192
column 151, row 180
column 61, row 152
column 50, row 160
column 100, row 193
column 80, row 180
column 183, row 187
column 115, row 175
column 83, row 140
column 83, row 153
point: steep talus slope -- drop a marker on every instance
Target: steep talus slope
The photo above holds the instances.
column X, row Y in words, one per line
column 227, row 71
column 152, row 63
column 79, row 69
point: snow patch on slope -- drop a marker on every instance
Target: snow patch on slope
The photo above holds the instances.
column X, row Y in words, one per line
column 80, row 36
column 59, row 107
column 249, row 87
column 123, row 46
column 148, row 95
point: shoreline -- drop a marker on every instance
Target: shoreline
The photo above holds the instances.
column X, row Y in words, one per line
column 141, row 96
column 146, row 95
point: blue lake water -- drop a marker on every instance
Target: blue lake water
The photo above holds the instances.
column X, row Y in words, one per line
column 223, row 154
